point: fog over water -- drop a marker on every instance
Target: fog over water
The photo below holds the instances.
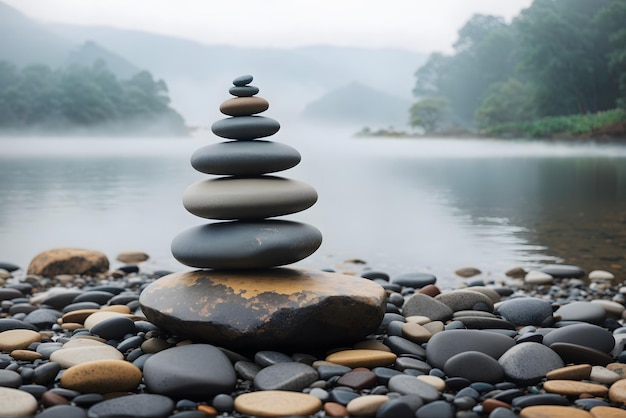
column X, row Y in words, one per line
column 401, row 205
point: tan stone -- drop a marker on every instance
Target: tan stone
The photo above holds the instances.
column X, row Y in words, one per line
column 17, row 403
column 575, row 372
column 26, row 355
column 619, row 368
column 333, row 409
column 553, row 411
column 277, row 403
column 607, row 412
column 116, row 308
column 418, row 319
column 78, row 316
column 68, row 261
column 436, row 382
column 102, row 376
column 17, row 339
column 97, row 317
column 467, row 272
column 415, row 332
column 132, row 257
column 617, row 391
column 69, row 357
column 574, row 388
column 434, row 326
column 366, row 406
column 362, row 358
column 243, row 106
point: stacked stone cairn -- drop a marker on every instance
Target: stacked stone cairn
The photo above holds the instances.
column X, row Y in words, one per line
column 241, row 297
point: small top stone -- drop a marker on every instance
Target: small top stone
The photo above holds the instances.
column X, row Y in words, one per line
column 242, row 80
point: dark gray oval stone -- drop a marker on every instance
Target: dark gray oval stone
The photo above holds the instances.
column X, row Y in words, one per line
column 444, row 345
column 190, row 371
column 266, row 358
column 540, row 399
column 409, row 385
column 528, row 363
column 63, row 411
column 580, row 354
column 525, row 311
column 285, row 376
column 437, row 409
column 43, row 318
column 243, row 91
column 414, row 280
column 587, row 335
column 114, row 328
column 59, row 300
column 246, row 244
column 245, row 128
column 98, row 296
column 594, row 313
column 10, row 267
column 424, row 305
column 249, row 198
column 7, row 324
column 563, row 271
column 245, row 158
column 139, row 406
column 475, row 367
column 8, row 294
column 243, row 80
column 10, row 379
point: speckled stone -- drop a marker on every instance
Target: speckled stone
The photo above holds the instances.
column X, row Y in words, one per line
column 246, row 244
column 244, row 158
column 17, row 403
column 461, row 299
column 189, row 371
column 574, row 388
column 244, row 106
column 525, row 311
column 245, row 127
column 362, row 358
column 272, row 403
column 517, row 368
column 248, row 197
column 102, row 376
column 68, row 261
column 17, row 339
column 266, row 308
column 424, row 305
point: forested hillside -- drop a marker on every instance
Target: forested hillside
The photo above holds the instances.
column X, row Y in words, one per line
column 558, row 69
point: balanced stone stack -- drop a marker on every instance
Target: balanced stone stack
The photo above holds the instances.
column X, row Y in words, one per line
column 242, row 298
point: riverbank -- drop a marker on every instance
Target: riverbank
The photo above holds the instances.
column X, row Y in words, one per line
column 528, row 343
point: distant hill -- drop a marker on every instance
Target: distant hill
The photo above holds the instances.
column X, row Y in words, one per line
column 359, row 105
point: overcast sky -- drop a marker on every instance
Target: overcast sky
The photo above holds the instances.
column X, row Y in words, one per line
column 418, row 25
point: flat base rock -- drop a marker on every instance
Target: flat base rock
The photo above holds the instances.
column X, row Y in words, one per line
column 266, row 308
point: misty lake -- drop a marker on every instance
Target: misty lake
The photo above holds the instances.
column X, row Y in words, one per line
column 401, row 205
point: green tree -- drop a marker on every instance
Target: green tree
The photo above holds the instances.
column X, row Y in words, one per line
column 430, row 114
column 506, row 102
column 612, row 18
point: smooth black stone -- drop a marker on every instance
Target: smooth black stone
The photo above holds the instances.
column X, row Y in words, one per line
column 7, row 324
column 80, row 305
column 285, row 376
column 480, row 322
column 247, row 369
column 508, row 395
column 399, row 346
column 563, row 271
column 145, row 326
column 482, row 387
column 88, row 399
column 21, row 308
column 579, row 354
column 223, row 403
column 414, row 280
column 36, row 390
column 581, row 311
column 245, row 128
column 123, row 299
column 246, row 244
column 325, row 372
column 243, row 91
column 10, row 267
column 141, row 360
column 394, row 328
column 342, row 396
column 130, row 343
column 130, row 268
column 407, row 363
column 62, row 411
column 243, row 80
column 525, row 311
column 46, row 373
column 375, row 274
column 474, row 366
column 446, row 344
column 383, row 374
column 245, row 158
column 436, row 409
column 10, row 294
column 540, row 399
column 587, row 335
column 134, row 354
column 395, row 408
column 589, row 403
column 25, row 288
column 266, row 358
column 501, row 412
column 464, row 403
column 176, row 372
column 62, row 299
column 10, row 379
column 391, row 308
column 114, row 328
column 138, row 406
column 457, row 383
column 98, row 296
column 43, row 318
column 66, row 393
column 189, row 414
column 469, row 392
column 530, row 337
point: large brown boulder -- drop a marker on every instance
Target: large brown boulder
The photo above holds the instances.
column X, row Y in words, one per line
column 265, row 308
column 68, row 261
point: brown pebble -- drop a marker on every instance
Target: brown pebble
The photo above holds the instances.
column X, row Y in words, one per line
column 415, row 332
column 430, row 290
column 553, row 411
column 71, row 326
column 490, row 404
column 607, row 412
column 102, row 376
column 277, row 403
column 154, row 345
column 207, row 409
column 371, row 345
column 574, row 388
column 617, row 391
column 575, row 372
column 333, row 409
column 358, row 379
column 49, row 399
column 26, row 355
column 78, row 316
column 116, row 308
column 362, row 358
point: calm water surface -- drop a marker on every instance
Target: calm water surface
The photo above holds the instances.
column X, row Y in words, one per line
column 401, row 205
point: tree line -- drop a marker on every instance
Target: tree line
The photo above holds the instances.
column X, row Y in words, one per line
column 557, row 59
column 37, row 99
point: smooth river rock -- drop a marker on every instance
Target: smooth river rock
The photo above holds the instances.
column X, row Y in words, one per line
column 265, row 308
column 246, row 244
column 245, row 128
column 587, row 335
column 443, row 345
column 247, row 198
column 244, row 106
column 68, row 261
column 244, row 158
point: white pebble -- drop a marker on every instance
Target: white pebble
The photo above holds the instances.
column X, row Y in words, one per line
column 538, row 277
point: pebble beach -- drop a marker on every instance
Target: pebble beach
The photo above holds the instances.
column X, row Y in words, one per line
column 540, row 343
